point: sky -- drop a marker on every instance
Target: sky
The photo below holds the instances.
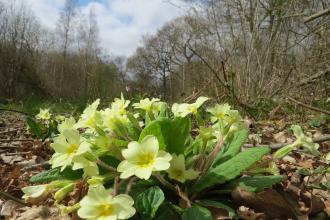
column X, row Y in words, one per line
column 122, row 23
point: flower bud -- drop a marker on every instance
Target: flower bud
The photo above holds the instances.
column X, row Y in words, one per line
column 63, row 192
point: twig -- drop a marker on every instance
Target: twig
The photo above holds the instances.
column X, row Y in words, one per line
column 9, row 131
column 106, row 166
column 18, row 153
column 183, row 195
column 10, row 140
column 308, row 106
column 115, row 185
column 164, row 182
column 279, row 145
column 317, row 15
column 31, row 167
column 8, row 196
column 129, row 185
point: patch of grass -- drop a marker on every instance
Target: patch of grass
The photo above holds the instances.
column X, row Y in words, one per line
column 32, row 105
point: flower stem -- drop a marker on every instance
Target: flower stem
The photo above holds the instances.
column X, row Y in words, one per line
column 165, row 182
column 106, row 166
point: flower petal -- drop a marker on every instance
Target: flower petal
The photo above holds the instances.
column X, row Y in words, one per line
column 150, row 145
column 143, row 173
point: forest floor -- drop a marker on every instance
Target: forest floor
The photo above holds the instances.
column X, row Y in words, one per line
column 305, row 189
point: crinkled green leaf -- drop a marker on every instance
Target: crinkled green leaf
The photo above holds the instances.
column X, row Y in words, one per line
column 56, row 174
column 171, row 134
column 148, row 202
column 231, row 169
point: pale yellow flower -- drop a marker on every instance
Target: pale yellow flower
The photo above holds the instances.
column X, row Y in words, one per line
column 59, row 118
column 177, row 170
column 98, row 204
column 90, row 117
column 68, row 123
column 184, row 109
column 120, row 105
column 44, row 114
column 141, row 159
column 69, row 150
column 305, row 141
column 113, row 118
column 219, row 112
column 147, row 104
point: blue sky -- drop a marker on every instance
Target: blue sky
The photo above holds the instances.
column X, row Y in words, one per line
column 122, row 23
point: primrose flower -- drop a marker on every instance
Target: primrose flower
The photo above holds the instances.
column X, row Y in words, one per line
column 147, row 104
column 35, row 192
column 69, row 150
column 44, row 114
column 219, row 112
column 177, row 170
column 120, row 105
column 90, row 117
column 99, row 204
column 59, row 118
column 301, row 141
column 233, row 116
column 141, row 159
column 182, row 110
column 304, row 140
column 68, row 123
column 112, row 118
column 105, row 142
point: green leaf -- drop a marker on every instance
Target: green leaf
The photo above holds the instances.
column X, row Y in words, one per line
column 233, row 147
column 164, row 111
column 165, row 212
column 171, row 134
column 231, row 169
column 219, row 204
column 35, row 127
column 197, row 213
column 56, row 174
column 148, row 202
column 254, row 183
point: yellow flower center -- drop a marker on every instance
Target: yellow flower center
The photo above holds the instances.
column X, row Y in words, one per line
column 221, row 115
column 91, row 122
column 72, row 149
column 145, row 160
column 106, row 210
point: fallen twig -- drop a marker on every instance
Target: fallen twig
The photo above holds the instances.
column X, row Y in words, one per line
column 13, row 198
column 31, row 167
column 308, row 106
column 10, row 140
column 9, row 131
column 279, row 145
column 317, row 15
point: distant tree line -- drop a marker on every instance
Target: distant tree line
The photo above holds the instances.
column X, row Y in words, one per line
column 67, row 62
column 240, row 51
column 243, row 51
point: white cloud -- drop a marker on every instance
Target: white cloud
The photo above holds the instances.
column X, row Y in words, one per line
column 122, row 23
